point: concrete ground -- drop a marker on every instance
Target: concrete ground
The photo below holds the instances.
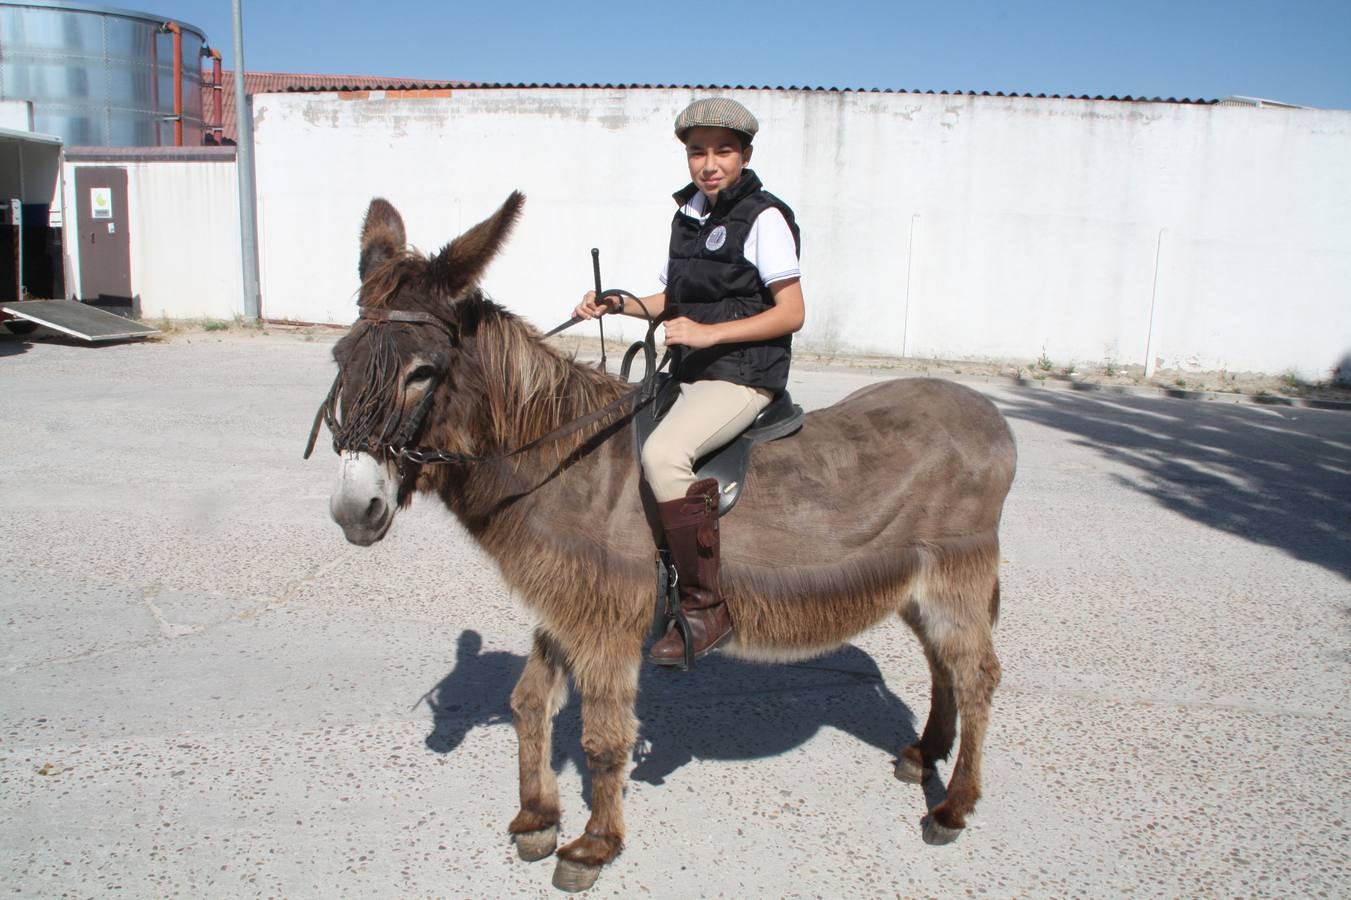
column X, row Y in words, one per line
column 207, row 692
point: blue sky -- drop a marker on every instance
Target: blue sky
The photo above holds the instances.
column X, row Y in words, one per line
column 1298, row 51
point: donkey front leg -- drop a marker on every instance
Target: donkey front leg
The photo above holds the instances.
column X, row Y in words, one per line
column 609, row 686
column 537, row 698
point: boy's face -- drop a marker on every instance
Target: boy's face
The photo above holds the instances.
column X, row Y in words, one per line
column 716, row 159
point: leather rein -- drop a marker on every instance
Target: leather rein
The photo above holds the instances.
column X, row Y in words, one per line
column 398, row 446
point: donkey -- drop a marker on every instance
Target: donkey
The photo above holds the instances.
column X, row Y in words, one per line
column 886, row 503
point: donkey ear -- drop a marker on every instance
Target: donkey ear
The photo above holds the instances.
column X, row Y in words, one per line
column 382, row 236
column 460, row 263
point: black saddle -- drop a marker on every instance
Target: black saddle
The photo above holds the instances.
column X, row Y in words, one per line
column 728, row 463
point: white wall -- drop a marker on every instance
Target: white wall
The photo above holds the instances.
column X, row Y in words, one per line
column 16, row 115
column 945, row 226
column 184, row 224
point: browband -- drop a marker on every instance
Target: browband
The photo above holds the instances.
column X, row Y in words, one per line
column 375, row 314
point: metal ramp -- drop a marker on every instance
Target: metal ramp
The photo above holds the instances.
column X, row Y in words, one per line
column 78, row 319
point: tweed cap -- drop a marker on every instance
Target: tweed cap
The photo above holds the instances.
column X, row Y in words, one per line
column 716, row 112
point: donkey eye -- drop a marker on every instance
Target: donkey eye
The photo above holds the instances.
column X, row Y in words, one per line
column 420, row 375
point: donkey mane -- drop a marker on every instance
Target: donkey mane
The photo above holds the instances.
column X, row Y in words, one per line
column 529, row 388
column 522, row 387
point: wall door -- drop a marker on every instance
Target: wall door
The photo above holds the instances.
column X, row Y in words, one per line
column 105, row 243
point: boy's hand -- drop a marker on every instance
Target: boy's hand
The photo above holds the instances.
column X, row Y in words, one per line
column 688, row 333
column 590, row 309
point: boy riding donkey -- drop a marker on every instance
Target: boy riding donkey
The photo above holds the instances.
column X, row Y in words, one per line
column 731, row 301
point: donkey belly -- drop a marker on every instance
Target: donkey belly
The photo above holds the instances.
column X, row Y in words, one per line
column 789, row 613
column 764, row 634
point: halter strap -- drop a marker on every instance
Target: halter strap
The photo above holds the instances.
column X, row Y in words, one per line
column 634, row 399
column 379, row 314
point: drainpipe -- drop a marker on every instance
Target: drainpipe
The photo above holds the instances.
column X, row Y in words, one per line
column 172, row 28
column 909, row 267
column 248, row 207
column 217, row 126
column 1153, row 308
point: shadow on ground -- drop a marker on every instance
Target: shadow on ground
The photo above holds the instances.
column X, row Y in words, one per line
column 723, row 709
column 13, row 344
column 1278, row 478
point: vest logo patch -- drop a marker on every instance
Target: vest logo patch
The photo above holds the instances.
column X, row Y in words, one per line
column 716, row 238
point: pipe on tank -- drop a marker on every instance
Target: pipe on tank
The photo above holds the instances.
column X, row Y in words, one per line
column 172, row 28
column 217, row 126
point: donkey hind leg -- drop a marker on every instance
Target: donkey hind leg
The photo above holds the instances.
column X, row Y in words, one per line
column 916, row 762
column 955, row 630
column 609, row 729
column 537, row 698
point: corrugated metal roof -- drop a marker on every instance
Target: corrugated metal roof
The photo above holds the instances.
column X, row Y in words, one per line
column 394, row 84
column 291, row 82
column 1260, row 102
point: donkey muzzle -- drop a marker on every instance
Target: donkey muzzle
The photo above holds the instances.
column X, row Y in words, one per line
column 365, row 498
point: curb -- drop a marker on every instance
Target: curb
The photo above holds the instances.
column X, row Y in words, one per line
column 1179, row 394
column 1062, row 384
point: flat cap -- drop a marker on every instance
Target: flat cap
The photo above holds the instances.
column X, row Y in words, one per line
column 716, row 112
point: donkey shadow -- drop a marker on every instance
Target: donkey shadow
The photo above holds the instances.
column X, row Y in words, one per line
column 723, row 709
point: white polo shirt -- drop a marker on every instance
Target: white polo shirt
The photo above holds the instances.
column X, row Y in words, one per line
column 769, row 243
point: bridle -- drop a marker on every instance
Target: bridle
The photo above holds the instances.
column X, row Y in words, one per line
column 357, row 430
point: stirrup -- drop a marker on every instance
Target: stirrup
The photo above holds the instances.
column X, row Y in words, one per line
column 668, row 580
column 675, row 618
column 679, row 621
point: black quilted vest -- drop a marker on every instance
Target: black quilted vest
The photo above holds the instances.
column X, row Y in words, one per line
column 709, row 280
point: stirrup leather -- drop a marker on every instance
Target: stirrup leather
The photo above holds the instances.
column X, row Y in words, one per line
column 668, row 580
column 674, row 615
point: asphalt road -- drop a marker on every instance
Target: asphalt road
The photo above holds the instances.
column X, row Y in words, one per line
column 206, row 692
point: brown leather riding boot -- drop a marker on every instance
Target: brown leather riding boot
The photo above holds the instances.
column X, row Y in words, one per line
column 691, row 526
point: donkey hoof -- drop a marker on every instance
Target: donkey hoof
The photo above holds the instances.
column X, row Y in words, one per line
column 937, row 835
column 533, row 846
column 574, row 876
column 911, row 772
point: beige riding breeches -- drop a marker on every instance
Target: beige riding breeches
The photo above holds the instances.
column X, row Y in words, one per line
column 706, row 415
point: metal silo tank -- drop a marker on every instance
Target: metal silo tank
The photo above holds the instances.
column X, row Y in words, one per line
column 100, row 76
